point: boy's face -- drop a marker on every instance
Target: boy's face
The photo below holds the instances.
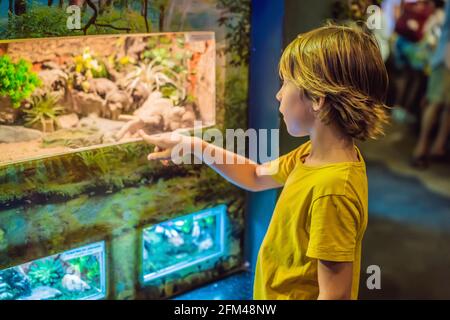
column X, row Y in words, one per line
column 297, row 110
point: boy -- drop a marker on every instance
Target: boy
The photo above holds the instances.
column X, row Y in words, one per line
column 334, row 85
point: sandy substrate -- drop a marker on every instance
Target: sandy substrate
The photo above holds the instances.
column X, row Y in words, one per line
column 18, row 151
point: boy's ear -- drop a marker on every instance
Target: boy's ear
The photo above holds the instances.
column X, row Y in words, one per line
column 319, row 104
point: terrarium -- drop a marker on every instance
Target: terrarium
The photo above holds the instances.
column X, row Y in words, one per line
column 77, row 274
column 183, row 242
column 66, row 94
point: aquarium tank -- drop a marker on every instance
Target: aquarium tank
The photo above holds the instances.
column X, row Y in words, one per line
column 71, row 275
column 73, row 172
column 180, row 243
column 61, row 95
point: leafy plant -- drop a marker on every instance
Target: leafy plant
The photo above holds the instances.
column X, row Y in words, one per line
column 157, row 77
column 87, row 266
column 113, row 20
column 46, row 272
column 88, row 65
column 236, row 18
column 42, row 108
column 96, row 160
column 164, row 69
column 17, row 81
column 14, row 284
column 38, row 21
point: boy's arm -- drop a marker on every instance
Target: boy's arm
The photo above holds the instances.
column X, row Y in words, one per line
column 235, row 168
column 334, row 225
column 335, row 280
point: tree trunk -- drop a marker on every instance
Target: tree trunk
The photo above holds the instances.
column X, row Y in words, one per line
column 162, row 12
column 76, row 2
column 101, row 6
column 50, row 3
column 10, row 7
column 20, row 7
column 145, row 15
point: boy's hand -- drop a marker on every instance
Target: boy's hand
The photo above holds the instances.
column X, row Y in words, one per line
column 164, row 144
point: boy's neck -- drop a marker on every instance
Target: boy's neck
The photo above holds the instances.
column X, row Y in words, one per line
column 330, row 145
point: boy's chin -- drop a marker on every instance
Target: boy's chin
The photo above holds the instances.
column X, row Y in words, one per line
column 298, row 133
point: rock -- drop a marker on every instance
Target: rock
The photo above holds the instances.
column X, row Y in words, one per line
column 74, row 283
column 157, row 114
column 90, row 131
column 53, row 79
column 117, row 102
column 42, row 293
column 101, row 86
column 139, row 95
column 73, row 138
column 154, row 109
column 10, row 134
column 105, row 127
column 67, row 121
column 6, row 296
column 50, row 65
column 134, row 47
column 86, row 104
column 8, row 114
column 100, row 124
column 188, row 117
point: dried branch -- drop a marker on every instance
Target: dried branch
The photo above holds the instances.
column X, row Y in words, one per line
column 93, row 20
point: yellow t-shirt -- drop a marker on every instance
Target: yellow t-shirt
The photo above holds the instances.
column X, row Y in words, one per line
column 321, row 214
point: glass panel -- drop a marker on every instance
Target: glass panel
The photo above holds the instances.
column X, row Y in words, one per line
column 87, row 92
column 77, row 274
column 179, row 243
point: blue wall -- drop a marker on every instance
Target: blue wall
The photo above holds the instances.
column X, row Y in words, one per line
column 266, row 48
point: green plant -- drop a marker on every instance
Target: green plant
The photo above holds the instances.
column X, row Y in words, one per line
column 236, row 19
column 87, row 266
column 97, row 160
column 113, row 19
column 17, row 81
column 42, row 108
column 165, row 69
column 157, row 77
column 38, row 21
column 90, row 66
column 46, row 272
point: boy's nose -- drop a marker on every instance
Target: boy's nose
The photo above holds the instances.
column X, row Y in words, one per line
column 278, row 96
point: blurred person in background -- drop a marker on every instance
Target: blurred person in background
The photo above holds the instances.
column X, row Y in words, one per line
column 411, row 54
column 438, row 98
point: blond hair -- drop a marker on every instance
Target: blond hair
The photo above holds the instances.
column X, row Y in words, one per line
column 343, row 65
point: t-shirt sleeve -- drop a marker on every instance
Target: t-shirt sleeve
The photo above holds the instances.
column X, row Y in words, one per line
column 334, row 225
column 280, row 168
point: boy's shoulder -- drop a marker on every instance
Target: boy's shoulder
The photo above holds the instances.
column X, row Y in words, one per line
column 345, row 179
column 331, row 180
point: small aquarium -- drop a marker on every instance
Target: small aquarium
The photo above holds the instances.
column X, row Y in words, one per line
column 60, row 95
column 77, row 274
column 180, row 243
